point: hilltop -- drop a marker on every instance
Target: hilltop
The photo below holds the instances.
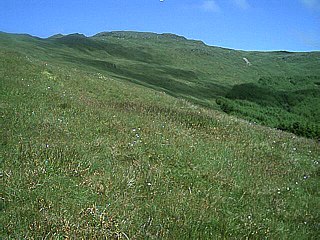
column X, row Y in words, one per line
column 125, row 135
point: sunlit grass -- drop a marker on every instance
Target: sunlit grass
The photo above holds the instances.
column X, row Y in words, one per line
column 88, row 155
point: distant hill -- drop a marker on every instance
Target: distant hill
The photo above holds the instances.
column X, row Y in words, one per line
column 193, row 71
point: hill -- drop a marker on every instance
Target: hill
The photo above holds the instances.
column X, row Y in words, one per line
column 119, row 135
column 209, row 76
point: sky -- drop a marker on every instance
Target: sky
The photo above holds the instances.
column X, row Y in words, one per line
column 292, row 25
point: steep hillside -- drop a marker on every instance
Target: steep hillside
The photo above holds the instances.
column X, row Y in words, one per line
column 103, row 137
column 193, row 71
column 165, row 61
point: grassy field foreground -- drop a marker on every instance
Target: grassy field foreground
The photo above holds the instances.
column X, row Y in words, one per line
column 87, row 155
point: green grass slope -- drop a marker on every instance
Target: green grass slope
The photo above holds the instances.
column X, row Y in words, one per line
column 193, row 71
column 94, row 145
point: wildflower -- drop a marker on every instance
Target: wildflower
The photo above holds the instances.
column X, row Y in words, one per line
column 131, row 183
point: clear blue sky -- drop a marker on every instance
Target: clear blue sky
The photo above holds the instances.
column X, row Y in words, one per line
column 240, row 24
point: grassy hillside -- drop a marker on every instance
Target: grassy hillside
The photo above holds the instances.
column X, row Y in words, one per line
column 193, row 71
column 102, row 137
